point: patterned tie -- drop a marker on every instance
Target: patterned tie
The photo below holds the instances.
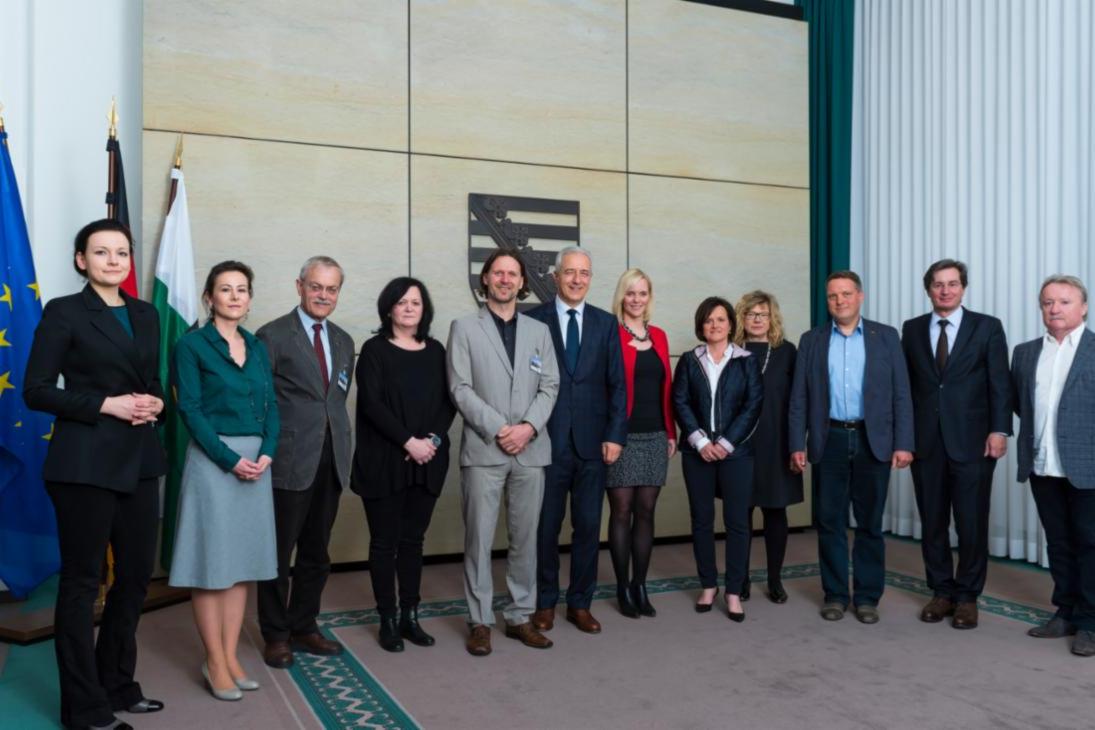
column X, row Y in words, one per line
column 317, row 343
column 942, row 350
column 572, row 341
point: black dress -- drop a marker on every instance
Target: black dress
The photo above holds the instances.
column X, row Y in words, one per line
column 774, row 484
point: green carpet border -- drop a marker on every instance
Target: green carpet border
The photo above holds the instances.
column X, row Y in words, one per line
column 343, row 693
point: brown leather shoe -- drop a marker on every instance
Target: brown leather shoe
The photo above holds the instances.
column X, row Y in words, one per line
column 543, row 619
column 965, row 615
column 478, row 643
column 315, row 644
column 583, row 619
column 527, row 634
column 937, row 609
column 278, row 655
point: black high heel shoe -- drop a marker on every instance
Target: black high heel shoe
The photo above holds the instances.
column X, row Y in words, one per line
column 642, row 600
column 410, row 629
column 627, row 605
column 776, row 594
column 746, row 589
column 735, row 616
column 706, row 607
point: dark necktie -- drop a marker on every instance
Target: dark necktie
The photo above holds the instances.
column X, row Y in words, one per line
column 317, row 343
column 572, row 341
column 942, row 349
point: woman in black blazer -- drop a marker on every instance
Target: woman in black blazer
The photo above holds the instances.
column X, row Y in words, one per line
column 402, row 451
column 717, row 396
column 101, row 471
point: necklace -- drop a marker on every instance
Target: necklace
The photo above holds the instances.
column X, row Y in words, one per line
column 767, row 357
column 637, row 338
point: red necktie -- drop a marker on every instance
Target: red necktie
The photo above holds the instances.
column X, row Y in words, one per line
column 317, row 343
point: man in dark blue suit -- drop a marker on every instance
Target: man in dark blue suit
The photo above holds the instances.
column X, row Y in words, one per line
column 958, row 368
column 851, row 415
column 588, row 429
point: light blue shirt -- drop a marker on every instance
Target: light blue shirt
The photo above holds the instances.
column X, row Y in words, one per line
column 847, row 363
column 308, row 322
column 955, row 319
column 561, row 308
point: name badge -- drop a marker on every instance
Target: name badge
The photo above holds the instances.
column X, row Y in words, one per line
column 536, row 364
column 344, row 381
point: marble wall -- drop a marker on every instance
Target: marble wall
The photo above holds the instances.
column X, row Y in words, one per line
column 357, row 129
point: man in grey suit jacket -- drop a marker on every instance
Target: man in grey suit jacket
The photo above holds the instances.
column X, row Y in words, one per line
column 504, row 380
column 1053, row 379
column 312, row 361
column 851, row 396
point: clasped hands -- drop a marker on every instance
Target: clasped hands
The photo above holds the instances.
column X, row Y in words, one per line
column 136, row 408
column 419, row 450
column 513, row 439
column 713, row 451
column 249, row 471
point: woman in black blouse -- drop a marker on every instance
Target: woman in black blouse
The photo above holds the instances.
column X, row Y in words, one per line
column 402, row 451
column 775, row 486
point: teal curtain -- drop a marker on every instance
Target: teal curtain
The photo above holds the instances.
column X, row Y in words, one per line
column 831, row 30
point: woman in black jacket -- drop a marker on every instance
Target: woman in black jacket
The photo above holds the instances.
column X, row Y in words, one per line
column 402, row 451
column 717, row 396
column 101, row 471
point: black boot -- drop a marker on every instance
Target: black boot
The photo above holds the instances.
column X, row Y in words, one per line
column 389, row 633
column 409, row 628
column 627, row 604
column 642, row 600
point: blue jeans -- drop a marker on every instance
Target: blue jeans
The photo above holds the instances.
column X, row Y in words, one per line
column 848, row 473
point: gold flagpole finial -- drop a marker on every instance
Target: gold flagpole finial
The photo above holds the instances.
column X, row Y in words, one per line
column 113, row 118
column 1, row 117
column 178, row 153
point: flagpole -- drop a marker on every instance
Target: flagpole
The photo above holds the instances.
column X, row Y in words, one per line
column 178, row 166
column 112, row 133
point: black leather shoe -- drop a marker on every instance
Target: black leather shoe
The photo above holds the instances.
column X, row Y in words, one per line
column 746, row 590
column 706, row 607
column 776, row 594
column 389, row 634
column 642, row 600
column 409, row 628
column 145, row 705
column 627, row 605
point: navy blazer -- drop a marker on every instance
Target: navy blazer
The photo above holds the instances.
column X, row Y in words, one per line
column 1075, row 413
column 971, row 398
column 739, row 397
column 592, row 404
column 887, row 401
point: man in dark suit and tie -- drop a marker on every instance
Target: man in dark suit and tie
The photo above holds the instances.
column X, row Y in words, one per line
column 1053, row 380
column 588, row 430
column 958, row 369
column 312, row 360
column 851, row 415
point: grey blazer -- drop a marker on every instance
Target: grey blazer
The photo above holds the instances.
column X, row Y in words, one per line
column 1075, row 413
column 490, row 393
column 305, row 409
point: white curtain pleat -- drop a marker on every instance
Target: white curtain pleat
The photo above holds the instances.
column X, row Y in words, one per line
column 973, row 137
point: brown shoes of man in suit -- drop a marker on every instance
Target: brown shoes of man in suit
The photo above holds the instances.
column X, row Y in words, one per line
column 478, row 643
column 315, row 644
column 543, row 619
column 527, row 634
column 965, row 616
column 937, row 609
column 278, row 655
column 583, row 619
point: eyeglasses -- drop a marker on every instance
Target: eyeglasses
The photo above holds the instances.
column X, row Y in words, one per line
column 758, row 316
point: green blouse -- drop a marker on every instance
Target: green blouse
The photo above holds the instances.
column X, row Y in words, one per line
column 215, row 396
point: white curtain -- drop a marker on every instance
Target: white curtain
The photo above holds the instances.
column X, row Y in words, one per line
column 973, row 138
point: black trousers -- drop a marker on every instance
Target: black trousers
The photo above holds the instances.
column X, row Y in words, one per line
column 96, row 677
column 945, row 486
column 397, row 528
column 303, row 520
column 733, row 479
column 583, row 481
column 849, row 473
column 1068, row 517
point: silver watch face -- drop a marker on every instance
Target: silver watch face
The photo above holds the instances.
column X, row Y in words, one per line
column 436, row 440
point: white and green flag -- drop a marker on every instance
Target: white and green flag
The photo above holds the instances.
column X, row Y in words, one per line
column 175, row 297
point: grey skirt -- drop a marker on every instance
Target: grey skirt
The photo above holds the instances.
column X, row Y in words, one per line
column 643, row 463
column 225, row 532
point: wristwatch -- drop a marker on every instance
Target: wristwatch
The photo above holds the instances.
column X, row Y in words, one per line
column 435, row 440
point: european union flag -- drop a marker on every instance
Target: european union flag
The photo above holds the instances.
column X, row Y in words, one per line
column 28, row 528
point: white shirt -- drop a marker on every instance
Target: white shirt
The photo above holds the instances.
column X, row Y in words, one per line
column 310, row 333
column 713, row 370
column 955, row 320
column 1053, row 365
column 561, row 308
